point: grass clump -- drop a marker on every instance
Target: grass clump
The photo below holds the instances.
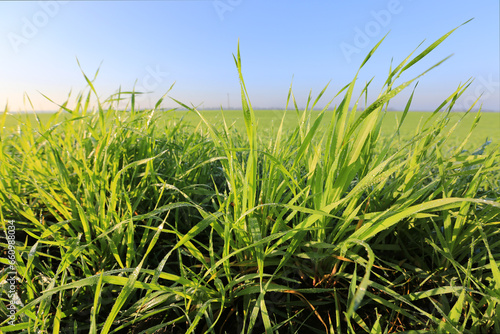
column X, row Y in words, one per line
column 124, row 227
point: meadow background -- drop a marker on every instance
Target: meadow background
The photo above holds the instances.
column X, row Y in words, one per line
column 487, row 128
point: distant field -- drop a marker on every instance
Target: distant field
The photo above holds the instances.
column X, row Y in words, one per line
column 269, row 121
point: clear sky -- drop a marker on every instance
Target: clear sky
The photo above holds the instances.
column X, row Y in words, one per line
column 152, row 44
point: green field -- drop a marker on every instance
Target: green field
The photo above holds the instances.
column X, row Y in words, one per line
column 335, row 222
column 269, row 120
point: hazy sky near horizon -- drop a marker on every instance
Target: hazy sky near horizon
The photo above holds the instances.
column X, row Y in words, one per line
column 150, row 45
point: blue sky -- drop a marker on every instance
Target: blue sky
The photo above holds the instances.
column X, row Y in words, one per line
column 152, row 44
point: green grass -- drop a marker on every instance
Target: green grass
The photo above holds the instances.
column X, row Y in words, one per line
column 338, row 222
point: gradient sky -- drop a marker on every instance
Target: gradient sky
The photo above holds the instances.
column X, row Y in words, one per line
column 152, row 44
